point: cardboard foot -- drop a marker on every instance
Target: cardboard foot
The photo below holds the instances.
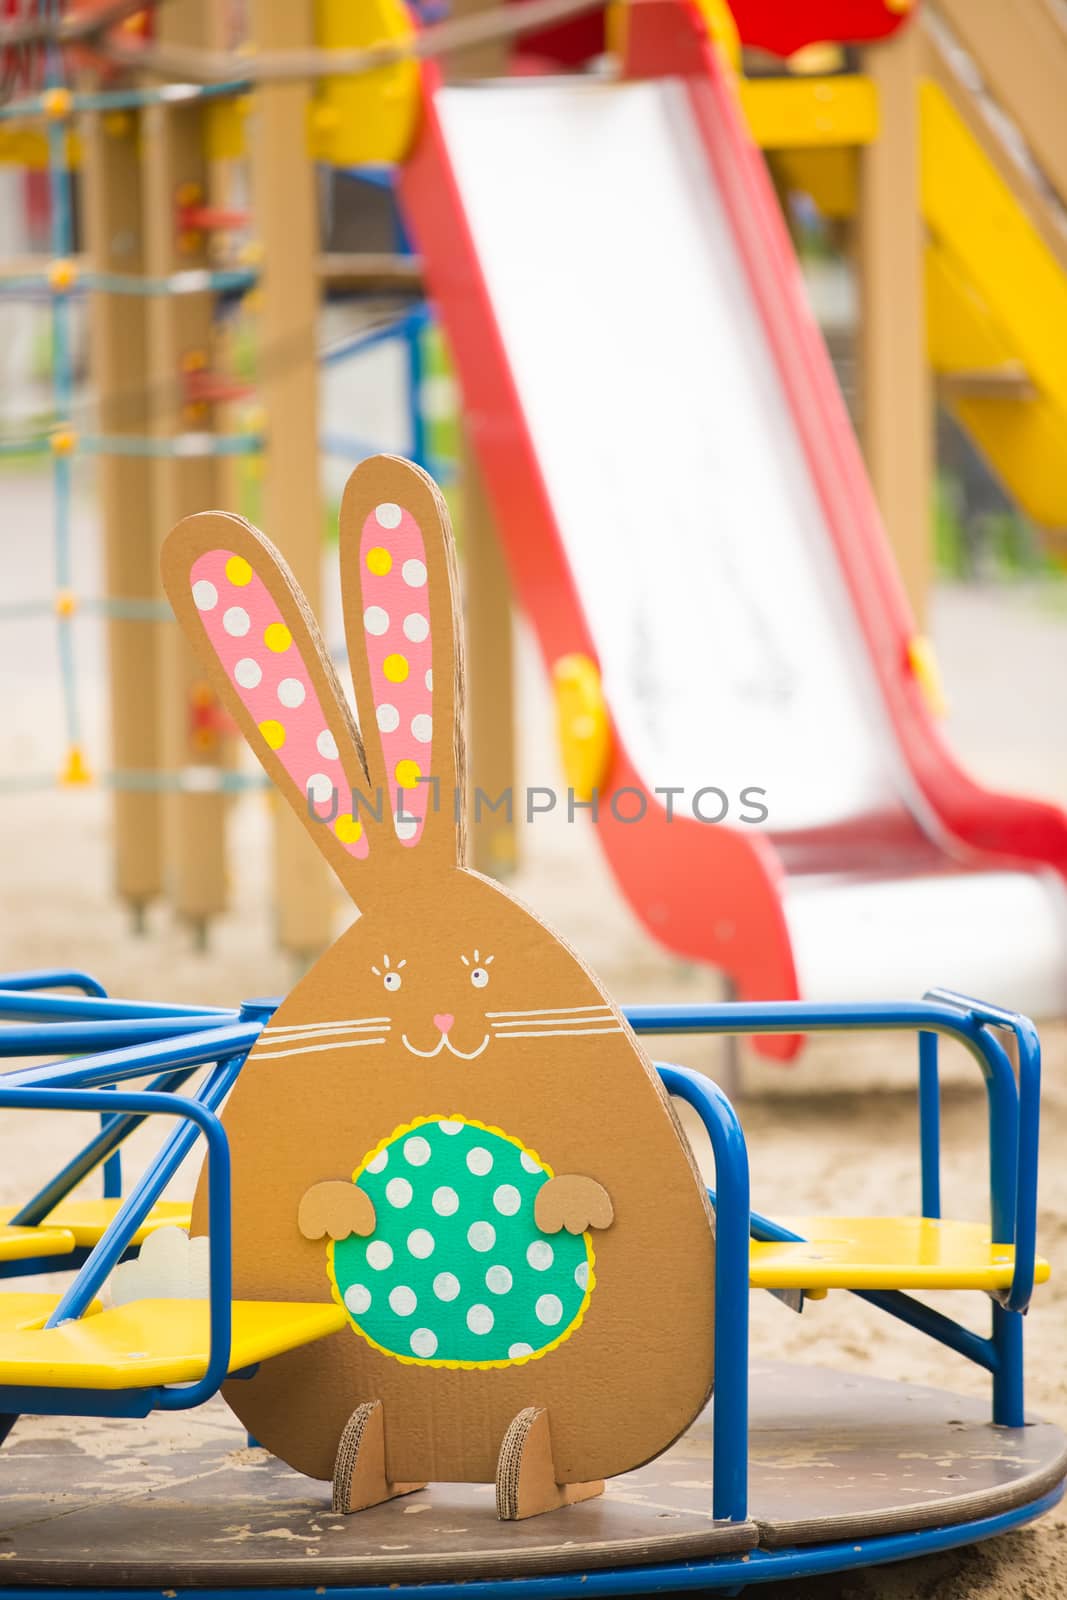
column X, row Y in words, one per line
column 359, row 1478
column 525, row 1475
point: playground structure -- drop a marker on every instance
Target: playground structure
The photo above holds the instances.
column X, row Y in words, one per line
column 898, row 145
column 317, row 1301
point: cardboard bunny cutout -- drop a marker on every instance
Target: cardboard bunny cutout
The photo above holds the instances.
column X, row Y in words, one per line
column 448, row 1126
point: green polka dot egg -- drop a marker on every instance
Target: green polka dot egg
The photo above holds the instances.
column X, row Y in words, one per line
column 457, row 1272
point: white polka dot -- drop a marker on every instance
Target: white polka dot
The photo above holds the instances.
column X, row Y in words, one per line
column 291, row 692
column 528, row 1164
column 422, row 728
column 445, row 1201
column 406, row 827
column 379, row 1162
column 376, row 620
column 480, row 1319
column 540, row 1255
column 428, row 680
column 416, row 1150
column 581, row 1275
column 416, row 627
column 205, row 595
column 517, row 1350
column 480, row 1161
column 414, row 574
column 248, row 673
column 498, row 1280
column 446, row 1286
column 357, row 1299
column 398, row 1192
column 423, row 1343
column 507, row 1199
column 326, row 745
column 388, row 718
column 236, row 622
column 450, row 1127
column 481, row 1236
column 549, row 1309
column 320, row 787
column 421, row 1243
column 388, row 515
column 379, row 1255
column 404, row 1300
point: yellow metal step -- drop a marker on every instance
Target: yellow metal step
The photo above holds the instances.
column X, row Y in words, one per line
column 885, row 1253
column 78, row 1224
column 147, row 1342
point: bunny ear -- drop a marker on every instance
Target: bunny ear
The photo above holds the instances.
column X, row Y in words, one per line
column 241, row 609
column 401, row 606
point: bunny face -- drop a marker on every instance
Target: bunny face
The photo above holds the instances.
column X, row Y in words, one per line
column 447, row 1126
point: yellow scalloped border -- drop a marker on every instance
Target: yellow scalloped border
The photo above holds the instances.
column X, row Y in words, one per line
column 462, row 1366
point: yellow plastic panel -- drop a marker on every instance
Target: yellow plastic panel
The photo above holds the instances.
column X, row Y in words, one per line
column 81, row 1222
column 87, row 1219
column 885, row 1253
column 802, row 113
column 1023, row 439
column 153, row 1341
column 581, row 723
column 22, row 1244
column 370, row 117
column 22, row 1311
column 972, row 212
column 830, row 175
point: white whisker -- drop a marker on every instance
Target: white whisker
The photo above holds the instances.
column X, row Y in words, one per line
column 555, row 1033
column 342, row 1025
column 310, row 1049
column 549, row 1011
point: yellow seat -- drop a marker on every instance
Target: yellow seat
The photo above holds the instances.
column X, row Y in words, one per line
column 24, row 1244
column 885, row 1253
column 147, row 1342
column 78, row 1224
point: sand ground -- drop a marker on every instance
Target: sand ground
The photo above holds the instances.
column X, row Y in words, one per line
column 835, row 1133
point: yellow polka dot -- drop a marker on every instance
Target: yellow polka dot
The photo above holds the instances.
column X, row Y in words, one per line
column 273, row 732
column 347, row 828
column 379, row 561
column 395, row 668
column 277, row 637
column 238, row 571
column 407, row 774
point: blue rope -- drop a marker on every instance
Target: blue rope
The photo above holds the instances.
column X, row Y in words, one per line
column 186, row 445
column 32, row 107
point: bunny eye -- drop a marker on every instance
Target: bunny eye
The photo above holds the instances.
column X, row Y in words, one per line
column 392, row 980
column 479, row 977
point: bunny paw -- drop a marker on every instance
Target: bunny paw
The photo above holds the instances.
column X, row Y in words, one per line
column 336, row 1208
column 574, row 1203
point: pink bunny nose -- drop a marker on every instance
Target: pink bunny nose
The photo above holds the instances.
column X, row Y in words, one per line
column 443, row 1020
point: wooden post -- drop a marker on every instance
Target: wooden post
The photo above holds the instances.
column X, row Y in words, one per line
column 895, row 387
column 478, row 60
column 490, row 687
column 113, row 225
column 487, row 592
column 180, row 339
column 284, row 204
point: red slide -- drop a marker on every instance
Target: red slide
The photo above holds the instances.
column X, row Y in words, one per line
column 682, row 500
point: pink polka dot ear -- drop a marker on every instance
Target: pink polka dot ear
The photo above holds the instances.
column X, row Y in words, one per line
column 273, row 682
column 399, row 654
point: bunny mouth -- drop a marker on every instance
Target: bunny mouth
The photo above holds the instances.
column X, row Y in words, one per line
column 444, row 1043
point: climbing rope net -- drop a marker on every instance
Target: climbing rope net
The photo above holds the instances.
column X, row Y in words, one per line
column 36, row 89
